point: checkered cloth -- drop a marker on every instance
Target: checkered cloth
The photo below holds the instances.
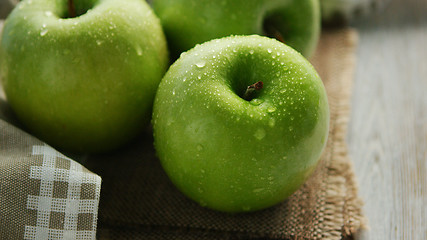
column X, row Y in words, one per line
column 43, row 194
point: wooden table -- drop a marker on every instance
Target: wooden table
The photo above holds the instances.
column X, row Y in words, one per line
column 388, row 128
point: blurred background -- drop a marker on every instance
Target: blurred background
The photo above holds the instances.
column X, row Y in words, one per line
column 334, row 12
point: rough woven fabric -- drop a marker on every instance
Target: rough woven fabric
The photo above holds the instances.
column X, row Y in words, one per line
column 43, row 194
column 139, row 202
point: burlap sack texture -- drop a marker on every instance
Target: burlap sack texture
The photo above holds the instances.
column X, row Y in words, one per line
column 139, row 202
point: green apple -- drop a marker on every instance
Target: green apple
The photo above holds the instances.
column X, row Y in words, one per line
column 240, row 122
column 190, row 22
column 82, row 75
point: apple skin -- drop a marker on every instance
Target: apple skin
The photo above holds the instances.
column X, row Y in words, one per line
column 232, row 154
column 190, row 22
column 83, row 84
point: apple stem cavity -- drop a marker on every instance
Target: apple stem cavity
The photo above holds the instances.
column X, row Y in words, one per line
column 251, row 89
column 273, row 32
column 71, row 9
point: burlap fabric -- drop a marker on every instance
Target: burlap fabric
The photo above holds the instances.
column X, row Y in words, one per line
column 46, row 194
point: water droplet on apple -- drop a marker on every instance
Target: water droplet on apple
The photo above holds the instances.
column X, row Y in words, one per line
column 201, row 64
column 259, row 133
column 48, row 13
column 271, row 109
column 173, row 92
column 256, row 101
column 199, row 147
column 246, row 208
column 99, row 42
column 169, row 122
column 138, row 50
column 251, row 51
column 43, row 32
column 291, row 129
column 269, row 50
column 203, row 203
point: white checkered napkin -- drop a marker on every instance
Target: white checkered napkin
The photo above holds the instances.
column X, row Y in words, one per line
column 65, row 209
column 43, row 194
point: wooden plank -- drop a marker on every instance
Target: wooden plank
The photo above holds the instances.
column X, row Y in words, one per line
column 388, row 128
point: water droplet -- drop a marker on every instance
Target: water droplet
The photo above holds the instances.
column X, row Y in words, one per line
column 201, row 64
column 173, row 92
column 43, row 32
column 251, row 51
column 257, row 190
column 259, row 133
column 199, row 147
column 246, row 208
column 99, row 42
column 269, row 50
column 271, row 109
column 138, row 50
column 48, row 13
column 256, row 101
column 169, row 122
column 291, row 128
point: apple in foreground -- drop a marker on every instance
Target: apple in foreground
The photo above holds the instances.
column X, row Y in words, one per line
column 190, row 22
column 83, row 78
column 240, row 122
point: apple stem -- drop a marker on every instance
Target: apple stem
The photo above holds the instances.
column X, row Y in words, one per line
column 71, row 9
column 276, row 33
column 251, row 89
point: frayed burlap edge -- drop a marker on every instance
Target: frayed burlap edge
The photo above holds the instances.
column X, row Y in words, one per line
column 343, row 216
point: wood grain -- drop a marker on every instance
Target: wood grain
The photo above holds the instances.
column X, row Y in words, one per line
column 388, row 128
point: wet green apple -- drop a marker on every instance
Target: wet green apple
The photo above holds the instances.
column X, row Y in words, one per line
column 83, row 78
column 240, row 122
column 190, row 22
